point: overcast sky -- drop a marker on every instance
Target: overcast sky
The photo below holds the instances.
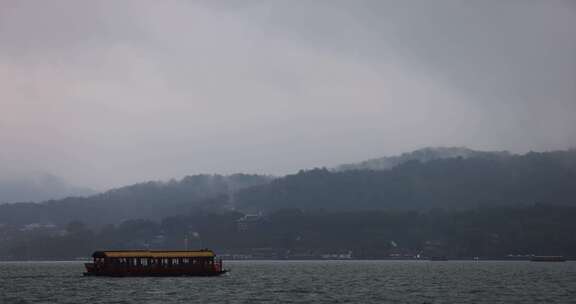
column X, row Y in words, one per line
column 107, row 93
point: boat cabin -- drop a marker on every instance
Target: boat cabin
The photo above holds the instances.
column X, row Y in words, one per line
column 155, row 263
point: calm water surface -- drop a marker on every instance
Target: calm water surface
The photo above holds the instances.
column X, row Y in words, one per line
column 302, row 282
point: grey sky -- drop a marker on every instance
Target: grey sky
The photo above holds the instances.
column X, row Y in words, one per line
column 105, row 93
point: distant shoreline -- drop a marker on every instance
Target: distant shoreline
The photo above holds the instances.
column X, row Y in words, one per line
column 317, row 260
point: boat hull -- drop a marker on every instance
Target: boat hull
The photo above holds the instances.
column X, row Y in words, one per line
column 155, row 274
column 548, row 259
column 115, row 271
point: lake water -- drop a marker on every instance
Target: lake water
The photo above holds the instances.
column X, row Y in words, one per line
column 302, row 282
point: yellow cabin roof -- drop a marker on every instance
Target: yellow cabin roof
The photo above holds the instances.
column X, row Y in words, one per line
column 153, row 254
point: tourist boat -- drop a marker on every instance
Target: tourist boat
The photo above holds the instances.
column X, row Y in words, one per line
column 549, row 258
column 154, row 263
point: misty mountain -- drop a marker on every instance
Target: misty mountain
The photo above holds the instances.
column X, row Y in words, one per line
column 38, row 187
column 422, row 155
column 452, row 183
column 150, row 200
column 463, row 182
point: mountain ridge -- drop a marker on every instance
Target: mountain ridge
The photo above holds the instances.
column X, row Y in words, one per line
column 478, row 178
column 546, row 177
column 423, row 155
column 150, row 200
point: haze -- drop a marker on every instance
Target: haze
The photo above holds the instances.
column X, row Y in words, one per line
column 107, row 93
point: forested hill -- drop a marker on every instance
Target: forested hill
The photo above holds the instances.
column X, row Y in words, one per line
column 422, row 155
column 544, row 178
column 450, row 183
column 150, row 200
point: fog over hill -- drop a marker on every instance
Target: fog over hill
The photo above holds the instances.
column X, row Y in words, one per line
column 147, row 200
column 37, row 187
column 423, row 155
column 448, row 183
column 108, row 93
column 450, row 178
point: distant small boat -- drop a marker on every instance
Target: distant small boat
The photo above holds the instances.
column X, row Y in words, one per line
column 438, row 258
column 548, row 258
column 154, row 263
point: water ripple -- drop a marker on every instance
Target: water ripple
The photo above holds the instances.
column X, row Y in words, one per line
column 302, row 282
